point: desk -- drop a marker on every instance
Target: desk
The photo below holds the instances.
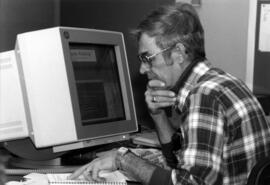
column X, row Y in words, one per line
column 17, row 174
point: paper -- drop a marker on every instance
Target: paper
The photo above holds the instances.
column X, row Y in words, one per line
column 112, row 178
column 264, row 34
column 115, row 176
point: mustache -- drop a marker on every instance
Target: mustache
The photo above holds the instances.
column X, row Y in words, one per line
column 151, row 76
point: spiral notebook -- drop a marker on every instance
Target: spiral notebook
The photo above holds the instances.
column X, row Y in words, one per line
column 71, row 182
column 66, row 182
column 112, row 178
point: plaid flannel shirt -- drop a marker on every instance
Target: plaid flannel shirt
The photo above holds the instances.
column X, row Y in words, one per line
column 224, row 129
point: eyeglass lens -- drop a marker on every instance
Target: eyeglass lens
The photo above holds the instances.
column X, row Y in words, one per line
column 144, row 59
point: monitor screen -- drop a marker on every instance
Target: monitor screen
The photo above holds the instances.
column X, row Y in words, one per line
column 72, row 81
column 97, row 83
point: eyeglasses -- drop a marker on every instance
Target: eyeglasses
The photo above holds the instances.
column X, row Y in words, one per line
column 148, row 59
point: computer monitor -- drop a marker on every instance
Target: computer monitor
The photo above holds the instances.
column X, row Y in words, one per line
column 66, row 88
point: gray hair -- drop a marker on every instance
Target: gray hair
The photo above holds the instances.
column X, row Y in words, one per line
column 172, row 24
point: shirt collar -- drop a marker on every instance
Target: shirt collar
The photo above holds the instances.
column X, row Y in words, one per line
column 196, row 72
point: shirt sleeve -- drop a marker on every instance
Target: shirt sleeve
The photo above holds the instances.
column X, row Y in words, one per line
column 168, row 149
column 161, row 176
column 200, row 160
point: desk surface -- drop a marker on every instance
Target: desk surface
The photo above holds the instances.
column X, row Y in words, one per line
column 13, row 175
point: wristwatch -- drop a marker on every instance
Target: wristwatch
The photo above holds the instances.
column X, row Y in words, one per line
column 123, row 151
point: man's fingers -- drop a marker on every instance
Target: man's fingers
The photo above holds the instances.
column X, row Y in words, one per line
column 95, row 175
column 165, row 93
column 156, row 83
column 161, row 99
column 163, row 104
column 78, row 172
column 87, row 176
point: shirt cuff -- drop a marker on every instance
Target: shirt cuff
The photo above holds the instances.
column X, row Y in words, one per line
column 167, row 150
column 161, row 176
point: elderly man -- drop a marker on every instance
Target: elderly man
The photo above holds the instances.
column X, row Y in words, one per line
column 212, row 129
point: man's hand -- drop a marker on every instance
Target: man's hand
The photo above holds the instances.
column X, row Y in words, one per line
column 91, row 170
column 157, row 96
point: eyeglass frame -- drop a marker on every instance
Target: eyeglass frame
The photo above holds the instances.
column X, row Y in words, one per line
column 148, row 59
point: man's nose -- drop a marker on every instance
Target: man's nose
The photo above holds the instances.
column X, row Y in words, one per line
column 144, row 68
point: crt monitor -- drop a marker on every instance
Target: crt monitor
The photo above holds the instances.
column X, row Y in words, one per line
column 66, row 88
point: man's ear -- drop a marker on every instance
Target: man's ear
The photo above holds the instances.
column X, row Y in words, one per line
column 179, row 53
column 180, row 48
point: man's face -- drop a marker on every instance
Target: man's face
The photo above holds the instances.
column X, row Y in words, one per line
column 164, row 69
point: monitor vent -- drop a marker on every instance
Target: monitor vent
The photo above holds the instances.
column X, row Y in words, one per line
column 5, row 63
column 11, row 127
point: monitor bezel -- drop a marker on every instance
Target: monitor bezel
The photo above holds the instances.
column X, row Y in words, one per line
column 92, row 36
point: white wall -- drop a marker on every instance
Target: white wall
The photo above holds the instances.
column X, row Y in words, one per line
column 226, row 33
